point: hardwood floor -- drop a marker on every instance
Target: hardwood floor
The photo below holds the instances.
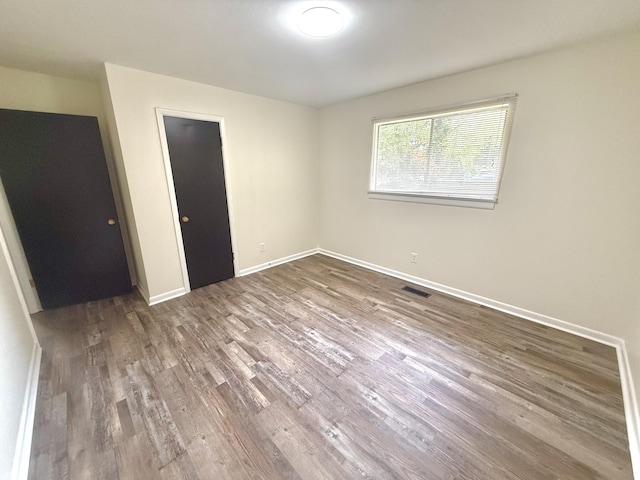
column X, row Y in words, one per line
column 319, row 369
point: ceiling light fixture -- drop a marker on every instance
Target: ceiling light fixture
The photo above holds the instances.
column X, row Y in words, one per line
column 320, row 22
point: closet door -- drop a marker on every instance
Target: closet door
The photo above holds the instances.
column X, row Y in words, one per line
column 195, row 151
column 55, row 177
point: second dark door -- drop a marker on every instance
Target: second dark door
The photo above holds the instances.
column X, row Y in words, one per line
column 55, row 177
column 195, row 151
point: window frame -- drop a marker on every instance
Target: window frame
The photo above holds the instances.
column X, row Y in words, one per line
column 445, row 199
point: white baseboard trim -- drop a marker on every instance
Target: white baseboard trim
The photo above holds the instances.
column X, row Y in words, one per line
column 22, row 455
column 632, row 415
column 163, row 297
column 143, row 292
column 153, row 300
column 279, row 261
column 496, row 305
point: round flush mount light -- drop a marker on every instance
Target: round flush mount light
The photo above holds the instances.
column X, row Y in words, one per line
column 320, row 22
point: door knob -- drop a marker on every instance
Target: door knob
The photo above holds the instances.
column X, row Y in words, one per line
column 185, row 219
column 111, row 221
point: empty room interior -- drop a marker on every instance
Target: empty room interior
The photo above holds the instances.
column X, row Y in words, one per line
column 338, row 239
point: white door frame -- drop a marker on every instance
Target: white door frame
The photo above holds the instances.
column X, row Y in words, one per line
column 18, row 257
column 160, row 114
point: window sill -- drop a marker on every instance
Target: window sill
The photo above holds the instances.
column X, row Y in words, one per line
column 418, row 198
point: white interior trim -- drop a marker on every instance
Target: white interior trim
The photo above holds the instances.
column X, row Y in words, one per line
column 160, row 114
column 143, row 291
column 163, row 297
column 230, row 204
column 22, row 455
column 506, row 98
column 16, row 253
column 419, row 198
column 16, row 282
column 631, row 413
column 279, row 261
column 496, row 305
column 632, row 416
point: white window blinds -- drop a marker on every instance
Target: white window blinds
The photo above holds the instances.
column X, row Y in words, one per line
column 456, row 153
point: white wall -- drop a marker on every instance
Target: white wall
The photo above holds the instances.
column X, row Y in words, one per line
column 271, row 149
column 20, row 90
column 127, row 219
column 17, row 341
column 564, row 240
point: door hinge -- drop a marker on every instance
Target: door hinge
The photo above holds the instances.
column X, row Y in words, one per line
column 32, row 283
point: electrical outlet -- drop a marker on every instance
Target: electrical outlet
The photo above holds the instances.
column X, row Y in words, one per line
column 413, row 257
column 263, row 247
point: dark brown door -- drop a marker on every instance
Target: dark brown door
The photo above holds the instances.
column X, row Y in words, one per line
column 54, row 174
column 195, row 150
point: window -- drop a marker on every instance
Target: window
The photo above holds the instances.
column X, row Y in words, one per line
column 450, row 156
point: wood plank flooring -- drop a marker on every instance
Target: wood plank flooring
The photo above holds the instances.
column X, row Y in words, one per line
column 318, row 369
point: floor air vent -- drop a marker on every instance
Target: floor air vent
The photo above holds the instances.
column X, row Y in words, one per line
column 416, row 291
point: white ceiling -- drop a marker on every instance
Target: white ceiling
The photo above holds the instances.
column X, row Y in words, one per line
column 254, row 45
